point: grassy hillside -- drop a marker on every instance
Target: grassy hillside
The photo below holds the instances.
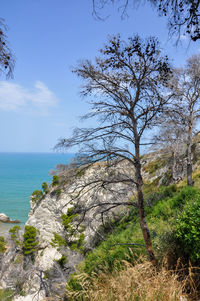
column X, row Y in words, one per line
column 118, row 270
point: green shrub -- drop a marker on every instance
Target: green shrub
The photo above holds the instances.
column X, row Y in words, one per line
column 68, row 218
column 58, row 241
column 2, row 244
column 6, row 295
column 37, row 196
column 74, row 283
column 187, row 229
column 62, row 261
column 30, row 241
column 45, row 187
column 55, row 180
column 73, row 237
column 152, row 198
column 77, row 245
column 14, row 234
column 167, row 201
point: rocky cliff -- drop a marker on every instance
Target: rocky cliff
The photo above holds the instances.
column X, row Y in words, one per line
column 69, row 219
column 46, row 273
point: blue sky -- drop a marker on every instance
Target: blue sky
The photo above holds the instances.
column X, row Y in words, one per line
column 42, row 102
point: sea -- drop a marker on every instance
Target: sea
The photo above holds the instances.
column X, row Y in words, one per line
column 20, row 175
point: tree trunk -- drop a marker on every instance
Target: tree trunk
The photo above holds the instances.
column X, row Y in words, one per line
column 190, row 181
column 140, row 199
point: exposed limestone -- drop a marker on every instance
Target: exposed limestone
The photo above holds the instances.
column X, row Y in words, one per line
column 6, row 219
column 44, row 277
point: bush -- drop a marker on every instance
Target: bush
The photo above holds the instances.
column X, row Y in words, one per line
column 58, row 241
column 14, row 234
column 55, row 181
column 30, row 241
column 2, row 245
column 37, row 196
column 73, row 237
column 188, row 230
column 163, row 192
column 45, row 187
column 62, row 261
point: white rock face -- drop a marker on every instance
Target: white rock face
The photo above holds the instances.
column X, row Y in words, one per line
column 46, row 218
column 4, row 218
column 38, row 297
column 46, row 257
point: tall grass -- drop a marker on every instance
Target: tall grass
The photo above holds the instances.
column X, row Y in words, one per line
column 141, row 282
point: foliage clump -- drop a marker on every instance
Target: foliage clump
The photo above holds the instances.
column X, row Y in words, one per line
column 45, row 187
column 30, row 242
column 2, row 244
column 187, row 230
column 74, row 237
column 55, row 180
column 14, row 234
column 62, row 261
column 58, row 241
column 37, row 196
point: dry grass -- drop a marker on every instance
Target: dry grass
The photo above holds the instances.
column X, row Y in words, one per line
column 134, row 283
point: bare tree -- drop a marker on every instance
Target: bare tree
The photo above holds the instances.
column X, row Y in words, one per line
column 6, row 57
column 126, row 83
column 171, row 138
column 186, row 88
column 183, row 15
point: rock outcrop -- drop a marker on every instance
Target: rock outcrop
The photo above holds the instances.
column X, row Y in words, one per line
column 45, row 276
column 6, row 219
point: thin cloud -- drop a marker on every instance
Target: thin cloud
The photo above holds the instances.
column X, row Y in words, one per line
column 14, row 97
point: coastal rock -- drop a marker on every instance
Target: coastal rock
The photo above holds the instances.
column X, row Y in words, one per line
column 6, row 219
column 45, row 277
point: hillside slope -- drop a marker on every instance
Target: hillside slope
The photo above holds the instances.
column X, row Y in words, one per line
column 66, row 230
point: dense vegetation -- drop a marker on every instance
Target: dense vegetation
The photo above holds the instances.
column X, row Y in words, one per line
column 173, row 217
column 2, row 244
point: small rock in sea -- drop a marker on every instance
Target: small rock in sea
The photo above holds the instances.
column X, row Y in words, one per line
column 15, row 221
column 5, row 219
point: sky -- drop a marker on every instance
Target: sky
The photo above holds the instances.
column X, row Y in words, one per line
column 42, row 102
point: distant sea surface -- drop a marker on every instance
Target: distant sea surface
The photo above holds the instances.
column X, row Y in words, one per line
column 20, row 175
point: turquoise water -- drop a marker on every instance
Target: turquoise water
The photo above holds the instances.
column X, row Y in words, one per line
column 20, row 175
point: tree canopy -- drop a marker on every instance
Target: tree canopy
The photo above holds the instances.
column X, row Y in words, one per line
column 183, row 15
column 6, row 56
